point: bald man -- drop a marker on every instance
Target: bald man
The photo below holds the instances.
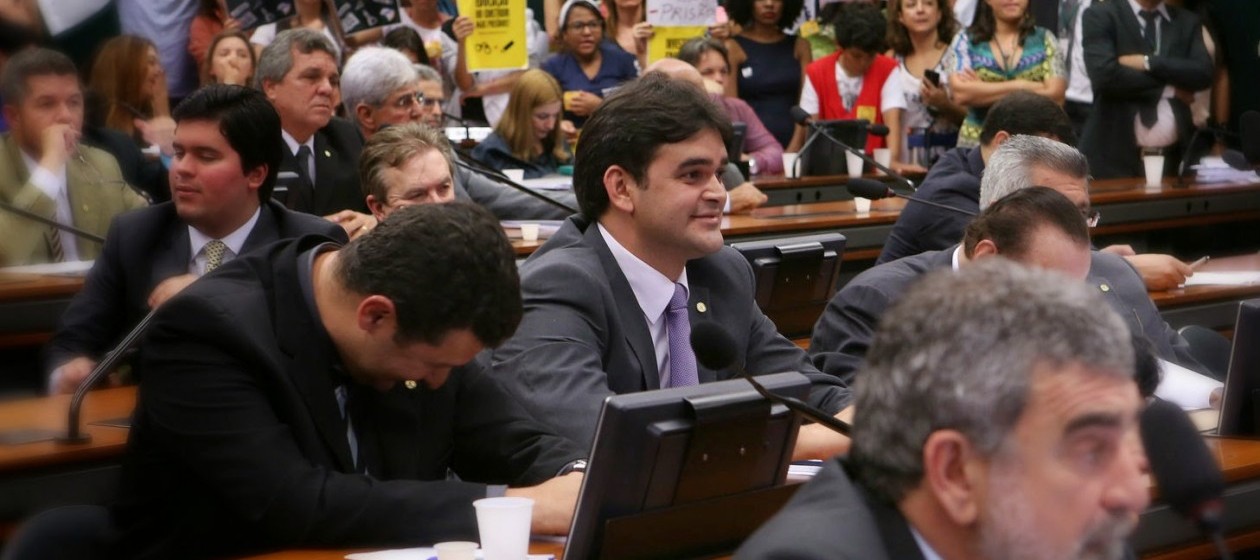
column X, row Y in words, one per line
column 744, row 196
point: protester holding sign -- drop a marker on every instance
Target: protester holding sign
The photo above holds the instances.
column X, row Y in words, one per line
column 587, row 67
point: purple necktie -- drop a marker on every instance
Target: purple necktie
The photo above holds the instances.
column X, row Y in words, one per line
column 682, row 362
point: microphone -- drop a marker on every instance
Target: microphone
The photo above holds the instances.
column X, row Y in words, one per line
column 1236, row 159
column 74, row 435
column 802, row 117
column 463, row 159
column 875, row 190
column 715, row 349
column 50, row 222
column 1188, row 477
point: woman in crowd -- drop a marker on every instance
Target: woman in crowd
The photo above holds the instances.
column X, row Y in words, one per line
column 628, row 27
column 761, row 150
column 918, row 33
column 768, row 62
column 210, row 21
column 528, row 136
column 132, row 86
column 231, row 60
column 1001, row 52
column 407, row 41
column 587, row 67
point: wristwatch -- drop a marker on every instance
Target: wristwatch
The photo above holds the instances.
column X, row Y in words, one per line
column 575, row 466
column 1146, row 63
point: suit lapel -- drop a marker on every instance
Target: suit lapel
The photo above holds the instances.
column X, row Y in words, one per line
column 173, row 253
column 325, row 171
column 700, row 310
column 265, row 229
column 632, row 323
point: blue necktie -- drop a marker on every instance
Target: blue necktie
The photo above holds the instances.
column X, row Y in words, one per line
column 682, row 362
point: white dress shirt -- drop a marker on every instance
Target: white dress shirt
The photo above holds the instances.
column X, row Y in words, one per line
column 53, row 184
column 197, row 243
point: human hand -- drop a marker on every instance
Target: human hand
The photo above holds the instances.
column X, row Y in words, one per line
column 816, row 441
column 721, row 31
column 746, row 198
column 72, row 374
column 583, row 103
column 58, row 143
column 463, row 27
column 554, row 502
column 1134, row 61
column 355, row 223
column 935, row 97
column 229, row 71
column 1160, row 272
column 642, row 33
column 158, row 131
column 168, row 288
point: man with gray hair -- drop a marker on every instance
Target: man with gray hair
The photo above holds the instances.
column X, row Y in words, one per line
column 298, row 73
column 379, row 87
column 1024, row 161
column 406, row 165
column 1007, row 431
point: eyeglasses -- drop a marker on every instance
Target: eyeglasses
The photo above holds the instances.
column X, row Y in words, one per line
column 581, row 26
column 407, row 100
column 1091, row 217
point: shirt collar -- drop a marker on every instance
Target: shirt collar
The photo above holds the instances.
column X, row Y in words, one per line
column 234, row 240
column 293, row 144
column 957, row 257
column 651, row 288
column 1162, row 9
column 928, row 552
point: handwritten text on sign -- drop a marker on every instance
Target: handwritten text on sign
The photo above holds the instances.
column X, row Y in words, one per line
column 681, row 12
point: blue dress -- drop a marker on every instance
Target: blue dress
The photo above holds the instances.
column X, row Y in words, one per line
column 615, row 68
column 770, row 81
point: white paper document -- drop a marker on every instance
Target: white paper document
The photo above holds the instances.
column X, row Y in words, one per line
column 1231, row 278
column 1185, row 388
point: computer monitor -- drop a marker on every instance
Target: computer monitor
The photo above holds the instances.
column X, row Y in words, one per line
column 824, row 157
column 795, row 277
column 1239, row 408
column 685, row 472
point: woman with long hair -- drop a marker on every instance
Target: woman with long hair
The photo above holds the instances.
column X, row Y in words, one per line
column 132, row 85
column 230, row 60
column 918, row 33
column 528, row 136
column 1002, row 51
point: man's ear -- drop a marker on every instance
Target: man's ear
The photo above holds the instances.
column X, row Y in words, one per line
column 375, row 312
column 954, row 474
column 618, row 183
column 985, row 248
column 363, row 114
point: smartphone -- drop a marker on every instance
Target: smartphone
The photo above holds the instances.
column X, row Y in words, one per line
column 933, row 76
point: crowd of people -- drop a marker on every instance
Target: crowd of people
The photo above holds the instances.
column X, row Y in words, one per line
column 344, row 351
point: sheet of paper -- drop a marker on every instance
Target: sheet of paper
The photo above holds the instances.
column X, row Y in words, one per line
column 681, row 12
column 1185, row 388
column 550, row 183
column 1229, row 278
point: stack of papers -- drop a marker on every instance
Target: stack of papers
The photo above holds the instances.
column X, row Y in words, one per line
column 1214, row 170
column 1231, row 278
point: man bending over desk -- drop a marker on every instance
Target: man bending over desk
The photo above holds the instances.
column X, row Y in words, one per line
column 310, row 395
column 611, row 297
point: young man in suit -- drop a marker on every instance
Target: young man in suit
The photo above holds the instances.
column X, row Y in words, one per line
column 1007, row 431
column 45, row 170
column 314, row 396
column 1145, row 60
column 611, row 297
column 222, row 174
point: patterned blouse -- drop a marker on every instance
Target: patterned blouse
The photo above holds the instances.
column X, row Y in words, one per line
column 1040, row 60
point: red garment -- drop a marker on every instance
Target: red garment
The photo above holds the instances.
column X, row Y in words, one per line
column 822, row 75
column 200, row 32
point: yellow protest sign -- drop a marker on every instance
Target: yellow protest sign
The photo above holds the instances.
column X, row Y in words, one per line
column 666, row 41
column 498, row 43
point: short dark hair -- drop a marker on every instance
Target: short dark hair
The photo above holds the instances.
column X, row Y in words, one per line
column 631, row 124
column 1012, row 221
column 445, row 267
column 860, row 26
column 693, row 50
column 741, row 11
column 1024, row 112
column 248, row 122
column 406, row 39
column 30, row 63
column 984, row 23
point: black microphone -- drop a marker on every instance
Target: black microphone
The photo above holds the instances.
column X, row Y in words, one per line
column 1249, row 133
column 464, row 159
column 875, row 190
column 1236, row 159
column 74, row 434
column 803, row 117
column 50, row 222
column 715, row 349
column 1189, row 479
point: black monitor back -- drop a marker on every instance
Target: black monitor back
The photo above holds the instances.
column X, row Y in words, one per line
column 824, row 157
column 689, row 465
column 795, row 277
column 1241, row 405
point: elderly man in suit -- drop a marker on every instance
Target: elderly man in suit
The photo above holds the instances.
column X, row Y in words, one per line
column 611, row 297
column 45, row 170
column 226, row 160
column 1007, row 431
column 1145, row 60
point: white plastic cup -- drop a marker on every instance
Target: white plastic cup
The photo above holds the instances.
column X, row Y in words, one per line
column 516, row 175
column 883, row 156
column 456, row 550
column 855, row 164
column 503, row 524
column 863, row 205
column 529, row 232
column 1154, row 171
column 790, row 170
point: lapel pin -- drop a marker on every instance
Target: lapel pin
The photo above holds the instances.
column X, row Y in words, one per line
column 1104, row 287
column 327, row 153
column 409, row 384
column 701, row 307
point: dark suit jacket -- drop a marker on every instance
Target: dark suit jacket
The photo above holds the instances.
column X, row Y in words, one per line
column 1110, row 30
column 142, row 249
column 833, row 518
column 337, row 149
column 584, row 337
column 954, row 181
column 238, row 443
column 507, row 203
column 845, row 329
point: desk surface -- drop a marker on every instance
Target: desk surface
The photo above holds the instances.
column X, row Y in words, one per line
column 49, row 413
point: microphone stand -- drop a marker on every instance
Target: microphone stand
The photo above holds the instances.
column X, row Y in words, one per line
column 861, row 154
column 869, row 188
column 50, row 222
column 74, row 434
column 479, row 167
column 802, row 408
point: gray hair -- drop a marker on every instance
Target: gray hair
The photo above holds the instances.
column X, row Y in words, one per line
column 1009, row 168
column 277, row 57
column 372, row 74
column 427, row 73
column 958, row 352
column 29, row 63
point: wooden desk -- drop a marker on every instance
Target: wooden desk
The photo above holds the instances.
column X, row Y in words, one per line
column 30, row 305
column 1214, row 307
column 34, row 476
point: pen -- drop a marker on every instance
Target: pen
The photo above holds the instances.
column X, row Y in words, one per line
column 1196, row 264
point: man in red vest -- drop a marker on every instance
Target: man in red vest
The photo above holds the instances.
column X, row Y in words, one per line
column 853, row 82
